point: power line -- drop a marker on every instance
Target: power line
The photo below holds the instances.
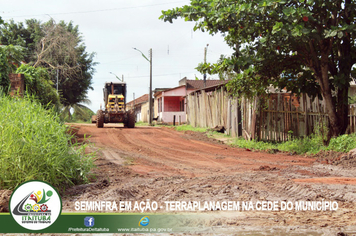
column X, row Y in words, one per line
column 102, row 10
column 145, row 76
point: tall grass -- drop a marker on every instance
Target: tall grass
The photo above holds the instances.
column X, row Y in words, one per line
column 35, row 145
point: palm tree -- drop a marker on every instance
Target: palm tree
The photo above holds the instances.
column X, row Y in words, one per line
column 80, row 111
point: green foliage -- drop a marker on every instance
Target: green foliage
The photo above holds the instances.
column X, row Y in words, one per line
column 276, row 37
column 304, row 46
column 5, row 70
column 10, row 59
column 242, row 143
column 38, row 83
column 35, row 145
column 352, row 100
column 309, row 145
column 343, row 143
column 21, row 35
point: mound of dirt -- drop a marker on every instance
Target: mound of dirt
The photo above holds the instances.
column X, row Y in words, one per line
column 199, row 136
column 338, row 158
column 4, row 200
column 267, row 168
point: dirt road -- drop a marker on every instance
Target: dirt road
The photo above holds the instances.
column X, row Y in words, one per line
column 161, row 164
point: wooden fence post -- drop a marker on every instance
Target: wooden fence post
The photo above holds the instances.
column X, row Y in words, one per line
column 254, row 118
column 228, row 123
column 306, row 114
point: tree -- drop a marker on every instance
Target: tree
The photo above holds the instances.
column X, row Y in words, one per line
column 62, row 51
column 303, row 45
column 59, row 48
column 12, row 33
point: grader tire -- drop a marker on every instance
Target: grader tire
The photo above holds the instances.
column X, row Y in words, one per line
column 100, row 119
column 131, row 119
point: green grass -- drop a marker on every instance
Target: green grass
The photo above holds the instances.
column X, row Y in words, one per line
column 35, row 145
column 191, row 128
column 140, row 123
column 306, row 145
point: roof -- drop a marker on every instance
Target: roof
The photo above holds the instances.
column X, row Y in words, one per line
column 156, row 90
column 166, row 90
column 211, row 88
column 199, row 84
column 194, row 85
column 140, row 100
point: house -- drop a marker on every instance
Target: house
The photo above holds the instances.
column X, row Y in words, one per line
column 171, row 103
column 140, row 105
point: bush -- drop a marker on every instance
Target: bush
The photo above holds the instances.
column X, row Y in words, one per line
column 39, row 84
column 242, row 143
column 309, row 145
column 343, row 143
column 35, row 145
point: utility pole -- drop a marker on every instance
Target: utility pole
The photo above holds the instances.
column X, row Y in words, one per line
column 134, row 103
column 150, row 92
column 205, row 51
column 150, row 96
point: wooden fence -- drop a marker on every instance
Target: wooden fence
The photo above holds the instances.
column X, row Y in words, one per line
column 277, row 118
column 213, row 107
column 285, row 115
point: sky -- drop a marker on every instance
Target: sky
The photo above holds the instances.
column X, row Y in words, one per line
column 112, row 28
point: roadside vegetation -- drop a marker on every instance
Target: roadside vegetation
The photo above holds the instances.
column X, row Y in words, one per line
column 307, row 145
column 189, row 127
column 36, row 145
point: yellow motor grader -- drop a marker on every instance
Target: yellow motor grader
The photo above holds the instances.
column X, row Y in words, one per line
column 115, row 106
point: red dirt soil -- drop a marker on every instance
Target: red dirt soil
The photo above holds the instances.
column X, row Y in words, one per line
column 162, row 164
column 166, row 152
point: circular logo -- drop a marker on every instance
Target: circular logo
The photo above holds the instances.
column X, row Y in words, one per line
column 35, row 205
column 144, row 221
